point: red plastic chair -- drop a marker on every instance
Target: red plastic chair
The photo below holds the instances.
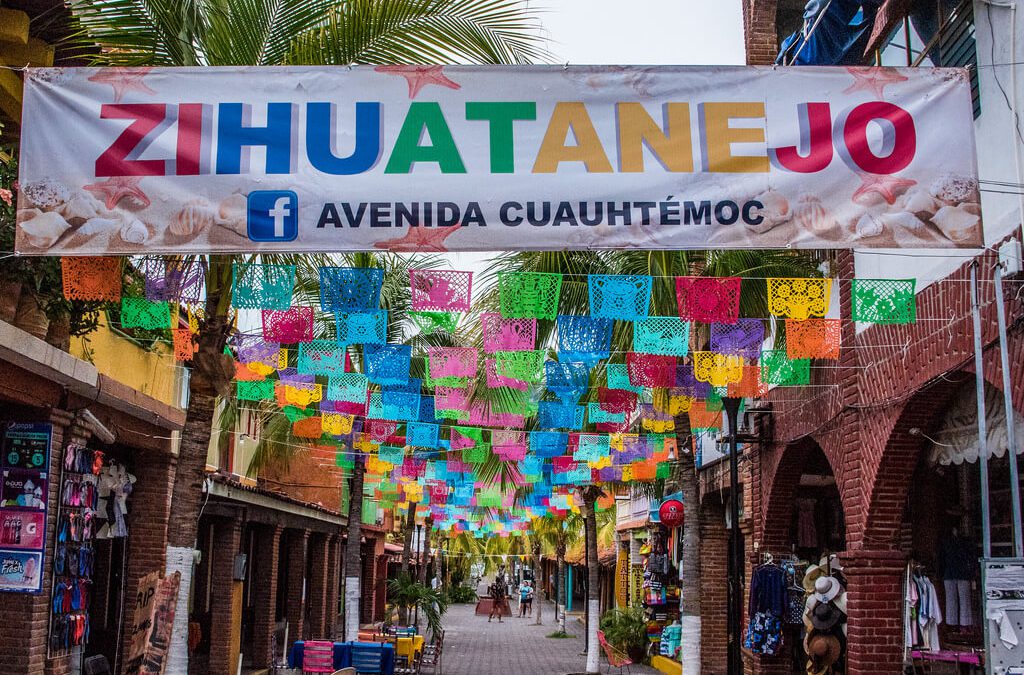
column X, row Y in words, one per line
column 318, row 656
column 616, row 658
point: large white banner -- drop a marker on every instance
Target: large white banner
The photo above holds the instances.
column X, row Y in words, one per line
column 432, row 158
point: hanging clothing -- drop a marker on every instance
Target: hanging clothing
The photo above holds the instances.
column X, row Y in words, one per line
column 929, row 614
column 958, row 602
column 115, row 486
column 806, row 527
column 766, row 608
column 910, row 602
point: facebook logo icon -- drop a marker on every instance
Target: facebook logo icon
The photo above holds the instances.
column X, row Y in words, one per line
column 273, row 215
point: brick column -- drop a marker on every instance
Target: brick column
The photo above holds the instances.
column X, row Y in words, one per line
column 226, row 619
column 264, row 579
column 714, row 589
column 297, row 543
column 316, row 595
column 148, row 518
column 333, row 580
column 368, row 584
column 875, row 605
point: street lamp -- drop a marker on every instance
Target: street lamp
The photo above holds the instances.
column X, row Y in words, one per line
column 731, row 405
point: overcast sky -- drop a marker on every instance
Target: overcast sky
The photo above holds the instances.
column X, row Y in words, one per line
column 644, row 31
column 617, row 32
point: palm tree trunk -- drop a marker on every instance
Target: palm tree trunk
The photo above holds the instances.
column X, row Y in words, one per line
column 410, row 524
column 353, row 561
column 184, row 518
column 537, row 572
column 427, row 525
column 690, row 607
column 590, row 495
column 211, row 374
column 560, row 589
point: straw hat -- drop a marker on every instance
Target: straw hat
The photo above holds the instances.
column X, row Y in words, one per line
column 823, row 651
column 826, row 588
column 812, row 574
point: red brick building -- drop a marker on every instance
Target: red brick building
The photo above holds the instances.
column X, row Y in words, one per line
column 877, row 448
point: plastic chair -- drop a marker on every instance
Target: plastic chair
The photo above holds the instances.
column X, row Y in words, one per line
column 431, row 655
column 318, row 656
column 367, row 658
column 616, row 658
column 96, row 665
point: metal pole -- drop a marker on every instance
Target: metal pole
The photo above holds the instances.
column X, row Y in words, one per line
column 735, row 569
column 979, row 381
column 1004, row 355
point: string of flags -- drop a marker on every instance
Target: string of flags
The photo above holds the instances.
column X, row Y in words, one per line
column 563, row 415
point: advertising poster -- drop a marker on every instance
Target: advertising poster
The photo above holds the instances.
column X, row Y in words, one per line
column 150, row 631
column 23, row 530
column 22, row 489
column 21, row 571
column 125, row 161
column 24, row 465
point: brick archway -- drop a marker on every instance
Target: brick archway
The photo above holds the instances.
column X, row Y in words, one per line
column 779, row 501
column 888, row 485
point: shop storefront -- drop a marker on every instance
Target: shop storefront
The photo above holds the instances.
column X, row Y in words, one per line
column 86, row 469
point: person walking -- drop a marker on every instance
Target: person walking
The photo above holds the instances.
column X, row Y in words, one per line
column 499, row 598
column 525, row 599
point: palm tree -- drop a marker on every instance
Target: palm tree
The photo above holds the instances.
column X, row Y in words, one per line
column 274, row 32
column 560, row 534
column 663, row 266
column 590, row 494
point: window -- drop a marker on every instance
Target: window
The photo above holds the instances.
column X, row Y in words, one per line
column 936, row 33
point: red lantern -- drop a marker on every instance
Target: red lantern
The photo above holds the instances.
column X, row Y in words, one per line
column 671, row 513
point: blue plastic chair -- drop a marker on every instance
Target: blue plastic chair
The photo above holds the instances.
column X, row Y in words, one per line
column 367, row 658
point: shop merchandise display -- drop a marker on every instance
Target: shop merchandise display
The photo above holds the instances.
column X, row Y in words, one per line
column 93, row 495
column 767, row 607
column 660, row 592
column 923, row 612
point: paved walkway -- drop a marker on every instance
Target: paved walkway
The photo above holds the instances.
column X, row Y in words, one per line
column 514, row 647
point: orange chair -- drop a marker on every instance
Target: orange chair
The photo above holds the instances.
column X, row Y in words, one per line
column 616, row 659
column 317, row 656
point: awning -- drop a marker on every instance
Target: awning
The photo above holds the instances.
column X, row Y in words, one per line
column 956, row 440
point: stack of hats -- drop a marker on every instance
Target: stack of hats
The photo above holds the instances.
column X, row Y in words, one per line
column 824, row 616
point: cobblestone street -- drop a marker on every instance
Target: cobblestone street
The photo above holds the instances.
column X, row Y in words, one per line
column 514, row 647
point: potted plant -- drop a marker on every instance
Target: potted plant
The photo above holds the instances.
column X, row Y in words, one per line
column 405, row 592
column 626, row 630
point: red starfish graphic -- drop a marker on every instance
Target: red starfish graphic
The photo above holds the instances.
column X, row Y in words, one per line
column 430, row 239
column 890, row 187
column 123, row 80
column 117, row 188
column 419, row 77
column 873, row 79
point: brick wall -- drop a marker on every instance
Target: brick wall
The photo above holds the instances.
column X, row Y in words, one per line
column 714, row 556
column 298, row 545
column 223, row 649
column 334, row 574
column 316, row 601
column 759, row 29
column 861, row 420
column 148, row 518
column 264, row 580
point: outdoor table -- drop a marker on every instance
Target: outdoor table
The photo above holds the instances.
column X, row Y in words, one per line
column 409, row 647
column 343, row 656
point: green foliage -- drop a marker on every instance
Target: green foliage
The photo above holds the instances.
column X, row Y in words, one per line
column 459, row 594
column 560, row 635
column 405, row 592
column 625, row 629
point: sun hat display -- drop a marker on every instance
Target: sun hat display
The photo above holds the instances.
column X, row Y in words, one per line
column 823, row 651
column 826, row 588
column 825, row 616
column 812, row 574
